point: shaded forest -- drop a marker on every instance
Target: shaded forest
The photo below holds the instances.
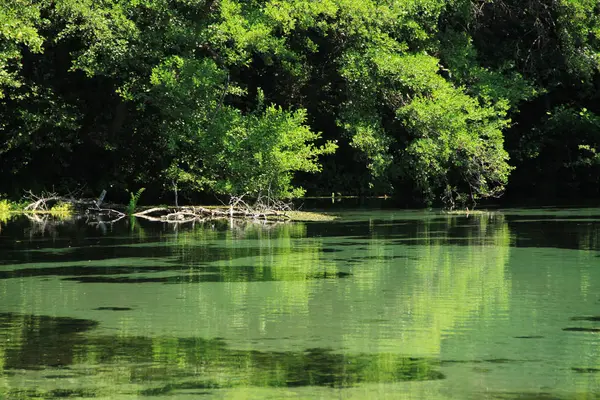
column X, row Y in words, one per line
column 446, row 102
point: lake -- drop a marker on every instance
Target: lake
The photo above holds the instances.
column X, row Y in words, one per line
column 377, row 304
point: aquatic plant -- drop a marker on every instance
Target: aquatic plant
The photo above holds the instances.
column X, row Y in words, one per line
column 133, row 200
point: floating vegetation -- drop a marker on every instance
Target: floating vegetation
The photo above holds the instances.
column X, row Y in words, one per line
column 578, row 329
column 526, row 396
column 385, row 258
column 586, row 370
column 23, row 394
column 82, row 271
column 310, row 216
column 169, row 388
column 22, row 338
column 330, row 275
column 490, row 360
column 330, row 250
column 586, row 318
column 236, row 275
column 529, row 337
column 165, row 365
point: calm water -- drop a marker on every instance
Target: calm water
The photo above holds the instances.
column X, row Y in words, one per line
column 398, row 305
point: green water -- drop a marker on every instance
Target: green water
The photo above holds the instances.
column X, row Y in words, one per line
column 378, row 304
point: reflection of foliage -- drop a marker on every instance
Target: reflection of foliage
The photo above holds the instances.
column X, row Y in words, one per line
column 4, row 217
column 469, row 278
column 62, row 210
column 46, row 224
column 417, row 282
column 158, row 362
column 459, row 264
column 5, row 207
column 454, row 268
column 6, row 210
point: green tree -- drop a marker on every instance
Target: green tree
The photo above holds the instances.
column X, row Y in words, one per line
column 227, row 97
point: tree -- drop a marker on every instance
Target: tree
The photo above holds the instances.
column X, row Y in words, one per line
column 218, row 147
column 227, row 97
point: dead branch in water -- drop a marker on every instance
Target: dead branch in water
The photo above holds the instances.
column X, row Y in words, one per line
column 264, row 209
column 45, row 200
column 199, row 214
column 41, row 202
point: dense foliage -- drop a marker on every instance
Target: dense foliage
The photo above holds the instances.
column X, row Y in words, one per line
column 433, row 101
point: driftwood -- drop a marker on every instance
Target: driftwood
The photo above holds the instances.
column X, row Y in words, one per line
column 42, row 203
column 190, row 214
column 236, row 209
column 46, row 200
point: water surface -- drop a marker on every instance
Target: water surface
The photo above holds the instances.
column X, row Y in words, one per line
column 378, row 304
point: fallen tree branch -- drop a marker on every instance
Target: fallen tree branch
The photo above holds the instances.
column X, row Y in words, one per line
column 189, row 214
column 149, row 211
column 265, row 209
column 38, row 202
column 44, row 200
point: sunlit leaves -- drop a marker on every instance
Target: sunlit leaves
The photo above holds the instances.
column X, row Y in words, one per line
column 449, row 141
column 217, row 147
column 259, row 153
column 579, row 32
column 418, row 92
column 18, row 27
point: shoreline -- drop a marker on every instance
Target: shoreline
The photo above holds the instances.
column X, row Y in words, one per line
column 167, row 214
